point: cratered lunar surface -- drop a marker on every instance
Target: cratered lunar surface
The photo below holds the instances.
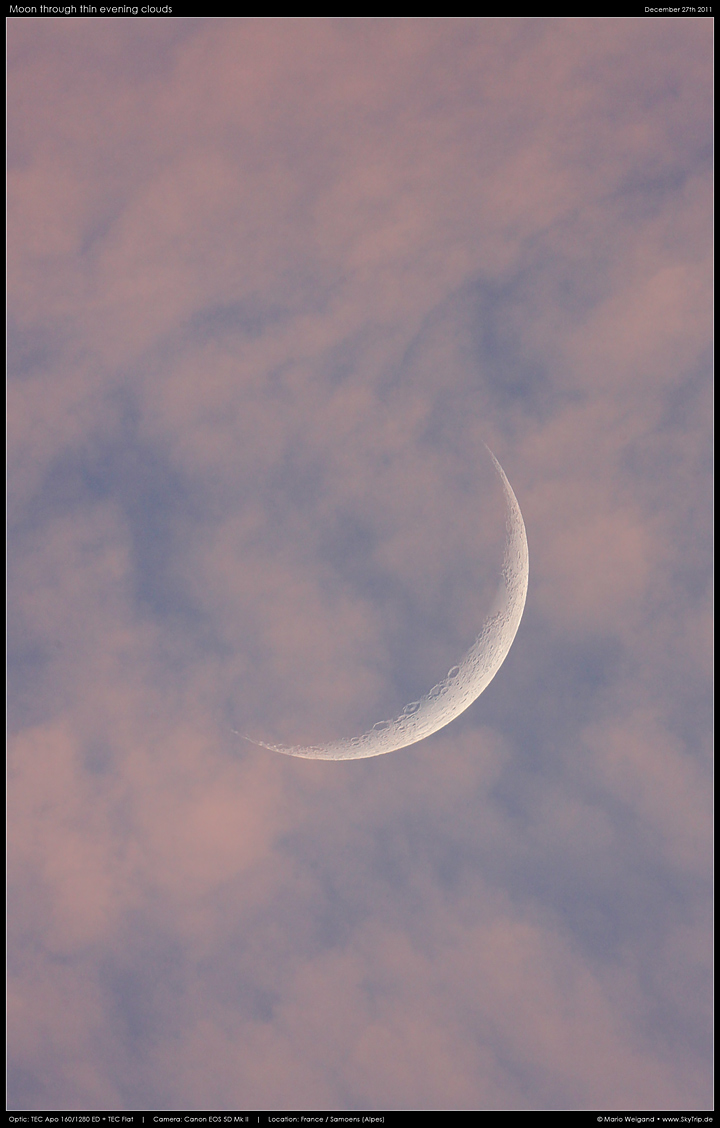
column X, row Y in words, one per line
column 466, row 681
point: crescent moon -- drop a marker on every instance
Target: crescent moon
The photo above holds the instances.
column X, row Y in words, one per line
column 465, row 682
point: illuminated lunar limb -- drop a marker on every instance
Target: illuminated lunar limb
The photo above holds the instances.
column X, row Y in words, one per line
column 464, row 682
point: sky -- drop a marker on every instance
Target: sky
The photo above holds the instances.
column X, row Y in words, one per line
column 273, row 283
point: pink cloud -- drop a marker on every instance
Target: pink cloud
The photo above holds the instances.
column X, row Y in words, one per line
column 272, row 284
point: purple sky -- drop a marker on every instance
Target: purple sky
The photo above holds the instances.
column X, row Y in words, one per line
column 273, row 281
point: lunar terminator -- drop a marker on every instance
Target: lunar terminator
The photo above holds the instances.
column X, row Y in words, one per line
column 464, row 682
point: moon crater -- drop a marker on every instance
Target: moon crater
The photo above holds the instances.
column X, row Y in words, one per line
column 464, row 682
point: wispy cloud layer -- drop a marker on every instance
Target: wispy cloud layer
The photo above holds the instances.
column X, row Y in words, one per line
column 273, row 281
